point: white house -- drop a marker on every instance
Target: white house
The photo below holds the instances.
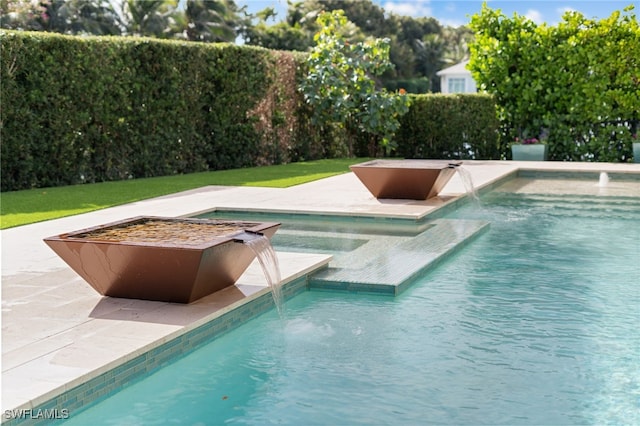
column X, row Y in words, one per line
column 457, row 79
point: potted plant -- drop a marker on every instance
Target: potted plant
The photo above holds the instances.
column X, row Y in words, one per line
column 529, row 149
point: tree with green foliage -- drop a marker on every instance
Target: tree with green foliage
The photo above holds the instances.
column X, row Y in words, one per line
column 420, row 46
column 199, row 20
column 151, row 18
column 415, row 57
column 280, row 36
column 212, row 20
column 81, row 17
column 417, row 50
column 429, row 53
column 576, row 83
column 456, row 44
column 340, row 83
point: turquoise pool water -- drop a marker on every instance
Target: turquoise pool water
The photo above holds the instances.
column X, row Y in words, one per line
column 535, row 322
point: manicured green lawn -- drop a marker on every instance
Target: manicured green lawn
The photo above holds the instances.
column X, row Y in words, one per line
column 35, row 205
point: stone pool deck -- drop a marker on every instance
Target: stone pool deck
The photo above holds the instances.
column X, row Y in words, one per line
column 57, row 332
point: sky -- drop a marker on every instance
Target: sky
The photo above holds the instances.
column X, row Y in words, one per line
column 458, row 12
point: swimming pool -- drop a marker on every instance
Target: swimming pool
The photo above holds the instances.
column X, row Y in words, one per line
column 535, row 322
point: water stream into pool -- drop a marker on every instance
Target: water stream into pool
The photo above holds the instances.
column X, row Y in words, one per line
column 268, row 260
column 467, row 181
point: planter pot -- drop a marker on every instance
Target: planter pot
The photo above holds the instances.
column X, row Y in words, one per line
column 532, row 152
column 636, row 152
column 160, row 258
column 408, row 179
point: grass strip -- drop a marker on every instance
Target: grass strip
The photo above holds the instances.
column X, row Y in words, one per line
column 36, row 205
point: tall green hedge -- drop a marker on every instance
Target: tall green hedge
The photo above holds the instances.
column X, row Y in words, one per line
column 89, row 109
column 462, row 126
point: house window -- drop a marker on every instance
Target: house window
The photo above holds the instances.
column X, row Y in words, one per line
column 456, row 85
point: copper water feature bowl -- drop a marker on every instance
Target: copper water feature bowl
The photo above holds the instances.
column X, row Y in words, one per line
column 160, row 258
column 407, row 179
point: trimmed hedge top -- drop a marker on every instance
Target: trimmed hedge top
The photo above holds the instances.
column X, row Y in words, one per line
column 90, row 109
column 103, row 108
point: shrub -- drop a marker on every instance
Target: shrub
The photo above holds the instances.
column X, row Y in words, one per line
column 462, row 126
column 88, row 109
column 340, row 86
column 578, row 81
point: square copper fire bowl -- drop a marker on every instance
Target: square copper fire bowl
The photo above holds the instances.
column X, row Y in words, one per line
column 160, row 258
column 408, row 179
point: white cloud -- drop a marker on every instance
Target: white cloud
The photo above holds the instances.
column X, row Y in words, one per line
column 408, row 8
column 452, row 22
column 535, row 16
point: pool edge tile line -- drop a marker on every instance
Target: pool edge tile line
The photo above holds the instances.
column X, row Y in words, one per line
column 71, row 397
column 409, row 259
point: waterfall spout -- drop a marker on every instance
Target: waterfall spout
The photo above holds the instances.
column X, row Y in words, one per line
column 268, row 260
column 465, row 176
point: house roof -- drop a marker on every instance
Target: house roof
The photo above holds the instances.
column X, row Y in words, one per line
column 460, row 68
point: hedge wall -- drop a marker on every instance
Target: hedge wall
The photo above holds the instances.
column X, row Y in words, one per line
column 463, row 126
column 86, row 109
column 89, row 109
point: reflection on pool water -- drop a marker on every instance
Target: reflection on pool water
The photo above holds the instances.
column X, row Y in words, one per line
column 535, row 322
